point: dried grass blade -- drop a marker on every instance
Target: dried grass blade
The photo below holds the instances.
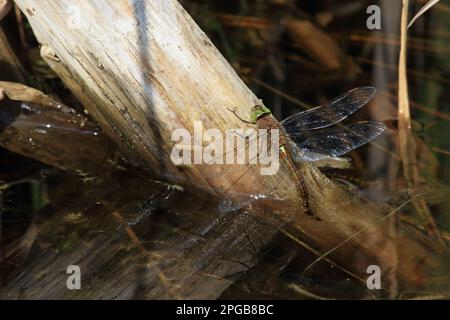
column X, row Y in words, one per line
column 424, row 9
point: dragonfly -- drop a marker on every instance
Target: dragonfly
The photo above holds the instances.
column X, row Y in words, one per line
column 317, row 134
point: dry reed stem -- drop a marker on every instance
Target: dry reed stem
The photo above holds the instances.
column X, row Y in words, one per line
column 406, row 142
column 424, row 9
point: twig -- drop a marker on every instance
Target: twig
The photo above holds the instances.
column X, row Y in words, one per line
column 306, row 293
column 415, row 105
column 441, row 151
column 314, row 251
column 323, row 256
column 134, row 238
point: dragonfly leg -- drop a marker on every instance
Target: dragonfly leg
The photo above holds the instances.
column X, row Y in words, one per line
column 240, row 135
column 237, row 116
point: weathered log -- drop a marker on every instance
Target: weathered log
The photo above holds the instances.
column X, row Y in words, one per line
column 147, row 70
column 142, row 83
column 39, row 127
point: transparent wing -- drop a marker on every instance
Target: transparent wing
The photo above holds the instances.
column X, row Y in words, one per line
column 333, row 142
column 330, row 113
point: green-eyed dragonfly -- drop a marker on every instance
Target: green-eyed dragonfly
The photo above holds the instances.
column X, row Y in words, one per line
column 316, row 134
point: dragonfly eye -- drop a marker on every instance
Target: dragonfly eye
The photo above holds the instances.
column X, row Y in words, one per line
column 258, row 111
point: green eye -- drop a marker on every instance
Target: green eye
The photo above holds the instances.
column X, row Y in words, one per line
column 258, row 113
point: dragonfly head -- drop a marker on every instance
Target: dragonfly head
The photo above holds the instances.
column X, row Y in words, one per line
column 258, row 112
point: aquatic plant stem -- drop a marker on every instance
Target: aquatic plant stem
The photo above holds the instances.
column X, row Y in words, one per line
column 406, row 142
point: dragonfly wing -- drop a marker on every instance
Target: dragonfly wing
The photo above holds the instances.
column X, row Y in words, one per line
column 330, row 113
column 333, row 142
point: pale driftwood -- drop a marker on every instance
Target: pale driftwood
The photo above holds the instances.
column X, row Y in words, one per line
column 39, row 127
column 144, row 71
